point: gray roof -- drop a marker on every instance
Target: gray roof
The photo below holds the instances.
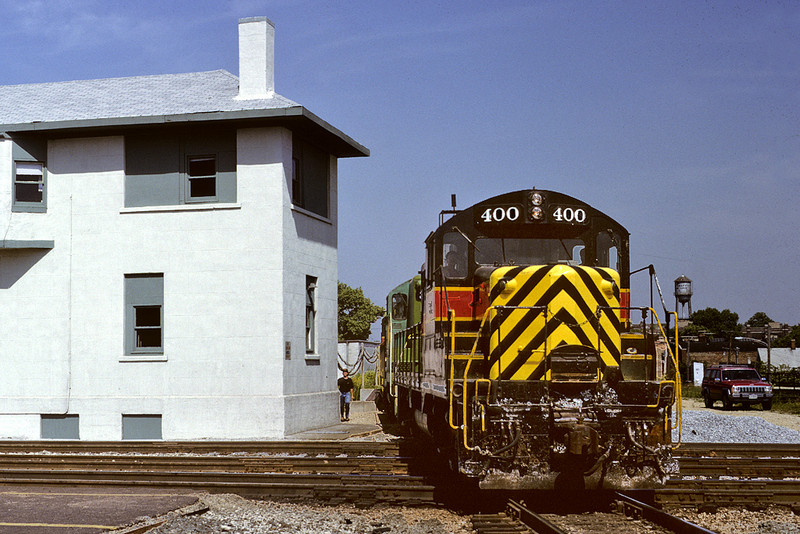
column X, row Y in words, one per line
column 781, row 356
column 148, row 100
column 138, row 96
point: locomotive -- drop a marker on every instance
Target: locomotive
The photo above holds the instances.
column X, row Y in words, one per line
column 514, row 349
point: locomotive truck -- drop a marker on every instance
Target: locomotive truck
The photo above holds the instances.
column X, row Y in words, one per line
column 516, row 351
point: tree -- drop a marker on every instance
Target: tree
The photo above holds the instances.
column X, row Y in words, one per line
column 786, row 341
column 758, row 320
column 356, row 313
column 717, row 322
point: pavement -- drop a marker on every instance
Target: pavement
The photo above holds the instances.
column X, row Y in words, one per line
column 363, row 422
column 86, row 510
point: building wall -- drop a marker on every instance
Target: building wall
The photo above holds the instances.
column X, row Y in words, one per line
column 232, row 297
column 721, row 357
column 311, row 250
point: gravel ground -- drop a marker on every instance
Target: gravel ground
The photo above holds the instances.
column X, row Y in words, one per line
column 730, row 521
column 233, row 514
column 736, row 426
column 740, row 425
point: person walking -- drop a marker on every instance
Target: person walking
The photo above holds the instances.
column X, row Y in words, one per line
column 345, row 385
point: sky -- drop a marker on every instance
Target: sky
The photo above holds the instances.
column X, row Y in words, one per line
column 680, row 119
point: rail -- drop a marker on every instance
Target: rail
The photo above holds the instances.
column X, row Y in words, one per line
column 322, row 471
column 632, row 507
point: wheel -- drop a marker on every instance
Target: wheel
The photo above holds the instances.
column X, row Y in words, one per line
column 767, row 404
column 727, row 403
column 707, row 400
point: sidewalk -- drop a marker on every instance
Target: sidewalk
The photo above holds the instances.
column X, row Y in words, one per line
column 363, row 422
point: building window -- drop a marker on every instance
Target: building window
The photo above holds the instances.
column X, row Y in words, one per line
column 147, row 327
column 29, row 183
column 311, row 314
column 297, row 185
column 144, row 314
column 60, row 427
column 29, row 153
column 310, row 178
column 146, row 427
column 181, row 167
column 201, row 174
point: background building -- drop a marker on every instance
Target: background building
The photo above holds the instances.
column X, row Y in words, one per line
column 168, row 265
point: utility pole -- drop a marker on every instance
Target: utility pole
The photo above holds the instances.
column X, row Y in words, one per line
column 769, row 353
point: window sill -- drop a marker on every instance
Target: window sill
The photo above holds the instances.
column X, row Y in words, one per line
column 182, row 207
column 311, row 214
column 28, row 208
column 143, row 358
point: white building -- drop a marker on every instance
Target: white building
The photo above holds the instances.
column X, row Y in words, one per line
column 168, row 266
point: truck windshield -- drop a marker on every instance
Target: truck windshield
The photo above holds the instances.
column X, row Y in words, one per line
column 740, row 374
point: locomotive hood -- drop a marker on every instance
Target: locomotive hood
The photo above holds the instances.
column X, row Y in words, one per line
column 541, row 310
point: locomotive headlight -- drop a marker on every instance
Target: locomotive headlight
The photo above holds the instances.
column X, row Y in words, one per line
column 608, row 287
column 536, row 199
column 507, row 286
column 536, row 213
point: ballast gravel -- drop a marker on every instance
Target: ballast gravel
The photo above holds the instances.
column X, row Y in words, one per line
column 711, row 426
column 233, row 514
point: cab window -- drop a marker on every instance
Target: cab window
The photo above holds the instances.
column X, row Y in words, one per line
column 608, row 249
column 454, row 254
column 399, row 306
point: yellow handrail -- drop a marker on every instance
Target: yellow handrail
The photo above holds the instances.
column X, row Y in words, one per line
column 676, row 363
column 451, row 317
column 452, row 372
column 465, row 426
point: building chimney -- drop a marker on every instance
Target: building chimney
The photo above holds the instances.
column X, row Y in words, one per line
column 256, row 58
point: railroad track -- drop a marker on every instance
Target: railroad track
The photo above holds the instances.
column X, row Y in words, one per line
column 349, row 448
column 715, row 475
column 712, row 475
column 363, row 473
column 629, row 516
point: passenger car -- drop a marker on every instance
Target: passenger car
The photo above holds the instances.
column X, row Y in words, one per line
column 735, row 384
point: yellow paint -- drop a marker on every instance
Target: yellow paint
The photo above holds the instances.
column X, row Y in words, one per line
column 579, row 299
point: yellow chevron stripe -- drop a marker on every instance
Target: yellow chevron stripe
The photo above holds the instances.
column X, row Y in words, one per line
column 579, row 330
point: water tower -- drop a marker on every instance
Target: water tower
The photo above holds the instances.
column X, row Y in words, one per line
column 683, row 295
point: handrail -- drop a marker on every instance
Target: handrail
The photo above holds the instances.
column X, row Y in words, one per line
column 464, row 405
column 451, row 317
column 452, row 372
column 676, row 363
column 477, row 381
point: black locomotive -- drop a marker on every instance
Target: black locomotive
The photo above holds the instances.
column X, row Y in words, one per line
column 514, row 349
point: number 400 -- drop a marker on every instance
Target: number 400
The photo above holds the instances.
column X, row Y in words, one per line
column 500, row 214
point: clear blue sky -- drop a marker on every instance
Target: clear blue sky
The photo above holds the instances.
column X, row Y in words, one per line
column 679, row 119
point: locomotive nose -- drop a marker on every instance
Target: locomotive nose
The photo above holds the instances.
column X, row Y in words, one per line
column 540, row 309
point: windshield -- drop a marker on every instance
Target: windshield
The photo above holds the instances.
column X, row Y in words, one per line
column 528, row 251
column 741, row 374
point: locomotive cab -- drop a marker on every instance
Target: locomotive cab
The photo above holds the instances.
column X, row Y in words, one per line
column 526, row 368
